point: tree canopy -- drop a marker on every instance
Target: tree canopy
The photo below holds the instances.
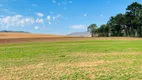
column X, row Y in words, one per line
column 92, row 29
column 128, row 24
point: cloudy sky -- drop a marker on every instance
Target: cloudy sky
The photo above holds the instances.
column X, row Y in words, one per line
column 57, row 16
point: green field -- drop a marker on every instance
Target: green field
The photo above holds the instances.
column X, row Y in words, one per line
column 72, row 60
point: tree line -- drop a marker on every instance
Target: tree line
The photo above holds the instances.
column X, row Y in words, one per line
column 128, row 24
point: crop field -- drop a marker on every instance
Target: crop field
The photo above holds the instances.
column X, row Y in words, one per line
column 72, row 60
column 10, row 35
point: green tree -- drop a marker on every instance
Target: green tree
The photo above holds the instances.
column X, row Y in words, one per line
column 103, row 30
column 128, row 24
column 133, row 13
column 92, row 29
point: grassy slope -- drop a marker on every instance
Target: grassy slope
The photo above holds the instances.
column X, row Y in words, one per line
column 98, row 59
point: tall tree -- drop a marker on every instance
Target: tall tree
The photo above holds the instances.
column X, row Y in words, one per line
column 133, row 17
column 128, row 24
column 103, row 30
column 92, row 29
column 120, row 24
column 116, row 24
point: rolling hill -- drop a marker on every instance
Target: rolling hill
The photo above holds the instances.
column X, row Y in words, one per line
column 80, row 34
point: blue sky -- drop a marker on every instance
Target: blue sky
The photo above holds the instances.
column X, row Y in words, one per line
column 57, row 16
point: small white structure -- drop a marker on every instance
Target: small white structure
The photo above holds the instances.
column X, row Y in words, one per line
column 80, row 34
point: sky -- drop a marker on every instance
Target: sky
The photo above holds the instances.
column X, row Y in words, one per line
column 58, row 16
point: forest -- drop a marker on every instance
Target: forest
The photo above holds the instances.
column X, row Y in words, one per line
column 121, row 25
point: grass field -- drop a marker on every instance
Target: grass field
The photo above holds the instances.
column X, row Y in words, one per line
column 72, row 60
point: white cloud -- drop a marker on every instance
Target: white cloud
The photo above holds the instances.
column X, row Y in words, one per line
column 54, row 18
column 1, row 5
column 34, row 5
column 78, row 26
column 36, row 27
column 85, row 15
column 70, row 2
column 49, row 18
column 59, row 15
column 39, row 20
column 49, row 22
column 40, row 14
column 16, row 21
column 54, row 1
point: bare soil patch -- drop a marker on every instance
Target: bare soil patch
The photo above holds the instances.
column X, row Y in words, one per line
column 27, row 37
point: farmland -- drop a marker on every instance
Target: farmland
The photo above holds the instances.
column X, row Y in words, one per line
column 71, row 40
column 72, row 59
